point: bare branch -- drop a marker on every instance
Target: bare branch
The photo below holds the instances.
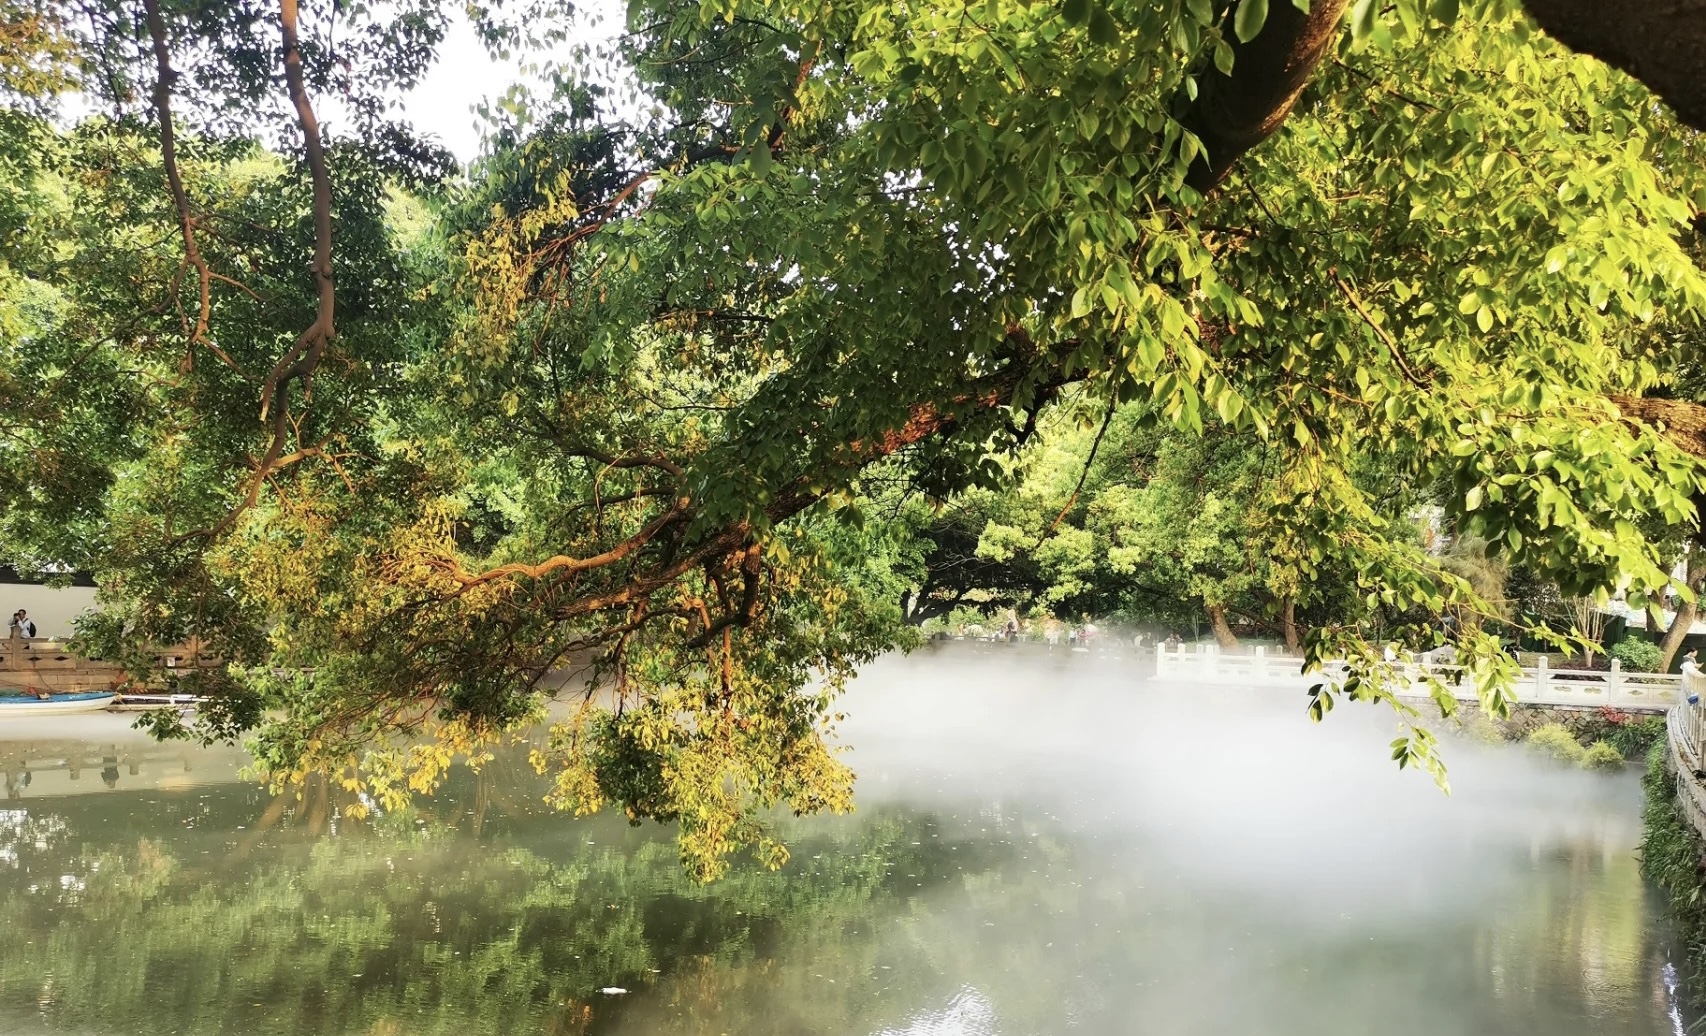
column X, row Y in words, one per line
column 164, row 78
column 1391, row 343
column 299, row 362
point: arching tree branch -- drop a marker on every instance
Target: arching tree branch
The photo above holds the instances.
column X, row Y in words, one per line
column 1661, row 44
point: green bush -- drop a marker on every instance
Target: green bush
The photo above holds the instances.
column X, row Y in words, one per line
column 1670, row 856
column 1634, row 737
column 1557, row 743
column 1638, row 656
column 1602, row 756
column 1474, row 724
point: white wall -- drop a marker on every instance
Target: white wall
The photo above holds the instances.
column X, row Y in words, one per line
column 51, row 608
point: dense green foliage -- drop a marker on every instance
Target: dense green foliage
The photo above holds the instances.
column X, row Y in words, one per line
column 1558, row 744
column 1639, row 656
column 1671, row 853
column 677, row 387
column 1602, row 755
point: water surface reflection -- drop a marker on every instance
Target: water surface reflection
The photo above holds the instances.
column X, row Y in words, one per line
column 1038, row 849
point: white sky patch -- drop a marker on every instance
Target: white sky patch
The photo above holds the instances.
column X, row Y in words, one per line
column 443, row 105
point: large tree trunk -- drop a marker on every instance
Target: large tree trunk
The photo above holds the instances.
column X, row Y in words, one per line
column 1679, row 627
column 1288, row 626
column 1222, row 630
column 1661, row 44
column 1686, row 611
column 1233, row 113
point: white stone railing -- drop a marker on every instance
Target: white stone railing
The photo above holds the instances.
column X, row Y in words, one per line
column 1685, row 732
column 1539, row 685
column 1688, row 722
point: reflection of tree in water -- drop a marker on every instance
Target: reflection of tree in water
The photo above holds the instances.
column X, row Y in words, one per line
column 23, row 833
column 1569, row 948
column 221, row 909
column 401, row 926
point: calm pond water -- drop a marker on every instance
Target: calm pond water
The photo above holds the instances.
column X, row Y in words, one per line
column 1039, row 848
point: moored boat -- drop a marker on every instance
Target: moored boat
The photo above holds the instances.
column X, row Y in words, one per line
column 55, row 704
column 150, row 702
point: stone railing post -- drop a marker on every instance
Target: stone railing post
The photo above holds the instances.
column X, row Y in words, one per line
column 1688, row 709
column 1213, row 660
column 1541, row 678
column 1614, row 682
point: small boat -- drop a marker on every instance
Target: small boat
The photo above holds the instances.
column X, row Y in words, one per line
column 150, row 702
column 55, row 704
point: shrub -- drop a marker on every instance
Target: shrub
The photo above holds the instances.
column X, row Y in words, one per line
column 1638, row 735
column 1474, row 724
column 1638, row 656
column 1555, row 742
column 1602, row 756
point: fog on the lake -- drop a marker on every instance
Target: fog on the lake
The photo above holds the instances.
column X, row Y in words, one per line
column 1237, row 788
column 1043, row 843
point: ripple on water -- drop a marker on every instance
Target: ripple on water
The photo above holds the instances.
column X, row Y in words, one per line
column 967, row 1013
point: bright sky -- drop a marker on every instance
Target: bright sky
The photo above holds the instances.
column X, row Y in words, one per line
column 442, row 106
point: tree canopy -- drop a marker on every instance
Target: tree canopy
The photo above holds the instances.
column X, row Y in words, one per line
column 622, row 393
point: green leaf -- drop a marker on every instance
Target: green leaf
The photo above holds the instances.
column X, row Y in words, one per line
column 1249, row 18
column 1444, row 10
column 1076, row 12
column 1362, row 20
column 1472, row 499
column 1103, row 31
column 1223, row 57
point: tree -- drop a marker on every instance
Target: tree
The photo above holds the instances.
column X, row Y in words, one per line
column 613, row 398
column 1687, row 609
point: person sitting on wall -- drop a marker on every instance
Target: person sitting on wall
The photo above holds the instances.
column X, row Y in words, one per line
column 1690, row 672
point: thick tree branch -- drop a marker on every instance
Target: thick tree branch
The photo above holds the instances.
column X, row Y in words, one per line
column 164, row 78
column 1682, row 421
column 564, row 565
column 1233, row 113
column 299, row 362
column 740, row 539
column 1661, row 44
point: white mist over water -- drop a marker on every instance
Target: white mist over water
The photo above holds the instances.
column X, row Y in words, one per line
column 1222, row 864
column 1239, row 783
column 1042, row 845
